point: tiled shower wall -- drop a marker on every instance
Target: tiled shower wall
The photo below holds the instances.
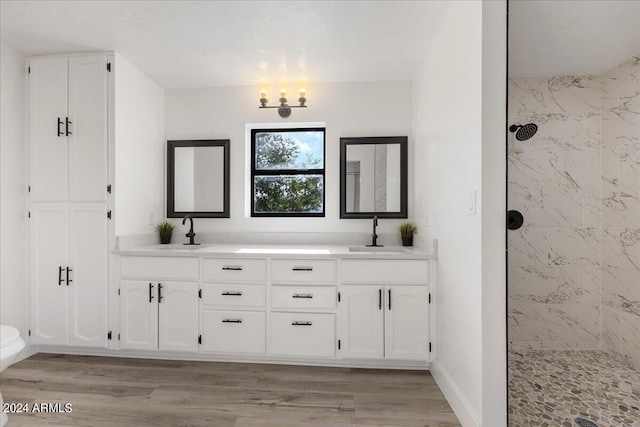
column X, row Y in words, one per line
column 554, row 259
column 574, row 267
column 621, row 208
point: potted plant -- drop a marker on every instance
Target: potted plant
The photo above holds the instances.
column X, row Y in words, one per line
column 407, row 230
column 165, row 229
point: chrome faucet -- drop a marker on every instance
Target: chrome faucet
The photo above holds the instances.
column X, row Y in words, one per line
column 190, row 234
column 374, row 236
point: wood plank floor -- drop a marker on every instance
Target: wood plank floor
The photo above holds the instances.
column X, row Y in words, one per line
column 109, row 391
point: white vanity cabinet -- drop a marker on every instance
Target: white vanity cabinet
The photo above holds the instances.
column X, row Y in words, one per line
column 233, row 316
column 159, row 304
column 303, row 306
column 379, row 321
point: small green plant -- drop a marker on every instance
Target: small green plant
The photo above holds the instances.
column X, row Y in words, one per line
column 408, row 230
column 165, row 229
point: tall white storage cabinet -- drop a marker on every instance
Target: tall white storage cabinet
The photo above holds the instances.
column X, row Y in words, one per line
column 69, row 199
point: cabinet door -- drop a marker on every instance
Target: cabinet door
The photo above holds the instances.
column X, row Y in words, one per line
column 407, row 322
column 362, row 322
column 88, row 128
column 48, row 236
column 88, row 260
column 48, row 88
column 138, row 315
column 178, row 305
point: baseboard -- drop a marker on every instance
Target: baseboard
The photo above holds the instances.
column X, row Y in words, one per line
column 339, row 363
column 457, row 401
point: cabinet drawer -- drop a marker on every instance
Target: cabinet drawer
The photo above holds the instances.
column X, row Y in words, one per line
column 299, row 297
column 401, row 272
column 303, row 271
column 161, row 268
column 234, row 270
column 233, row 331
column 232, row 295
column 303, row 334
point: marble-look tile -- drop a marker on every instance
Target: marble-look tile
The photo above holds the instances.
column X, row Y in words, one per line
column 629, row 79
column 609, row 88
column 621, row 289
column 611, row 328
column 555, row 284
column 555, row 324
column 528, row 95
column 611, row 247
column 620, row 205
column 630, row 335
column 620, row 125
column 547, row 206
column 574, row 94
column 591, row 129
column 621, row 163
column 555, row 246
column 630, row 249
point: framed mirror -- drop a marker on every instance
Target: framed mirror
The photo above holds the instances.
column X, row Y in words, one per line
column 373, row 177
column 198, row 178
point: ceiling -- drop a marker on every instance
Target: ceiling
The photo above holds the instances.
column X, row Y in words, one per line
column 190, row 44
column 571, row 37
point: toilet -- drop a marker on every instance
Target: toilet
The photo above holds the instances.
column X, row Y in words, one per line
column 10, row 346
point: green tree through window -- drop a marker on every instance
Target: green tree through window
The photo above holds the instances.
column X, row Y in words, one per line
column 288, row 172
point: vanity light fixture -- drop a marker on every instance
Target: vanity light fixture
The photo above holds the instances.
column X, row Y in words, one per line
column 284, row 109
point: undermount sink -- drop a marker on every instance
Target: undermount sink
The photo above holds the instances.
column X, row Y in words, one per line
column 377, row 249
column 178, row 247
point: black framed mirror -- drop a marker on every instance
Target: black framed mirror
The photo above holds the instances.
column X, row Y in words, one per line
column 198, row 178
column 373, row 177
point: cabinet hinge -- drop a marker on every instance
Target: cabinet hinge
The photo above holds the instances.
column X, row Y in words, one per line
column 109, row 66
column 29, row 332
column 109, row 336
column 199, row 293
column 29, row 214
column 29, row 189
column 109, row 214
column 118, row 291
column 338, row 296
column 429, row 346
column 118, row 337
column 109, row 188
column 429, row 297
column 339, row 344
column 199, row 339
column 29, row 70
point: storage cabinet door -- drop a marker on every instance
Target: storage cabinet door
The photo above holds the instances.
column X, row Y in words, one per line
column 178, row 306
column 88, row 128
column 48, row 235
column 88, row 258
column 303, row 334
column 48, row 155
column 362, row 322
column 138, row 315
column 407, row 322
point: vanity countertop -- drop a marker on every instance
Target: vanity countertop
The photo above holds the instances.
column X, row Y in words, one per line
column 276, row 251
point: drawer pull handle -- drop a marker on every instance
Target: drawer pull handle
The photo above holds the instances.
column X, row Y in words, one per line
column 232, row 268
column 302, row 269
column 232, row 294
column 150, row 292
column 302, row 296
column 232, row 321
column 301, row 323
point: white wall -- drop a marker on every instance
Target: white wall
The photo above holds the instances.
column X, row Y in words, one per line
column 459, row 131
column 140, row 150
column 348, row 109
column 13, row 255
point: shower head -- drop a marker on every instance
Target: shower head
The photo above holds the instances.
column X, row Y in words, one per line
column 524, row 132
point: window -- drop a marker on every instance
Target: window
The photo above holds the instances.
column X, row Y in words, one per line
column 287, row 172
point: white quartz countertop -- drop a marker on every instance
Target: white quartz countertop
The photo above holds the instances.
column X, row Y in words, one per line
column 276, row 251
